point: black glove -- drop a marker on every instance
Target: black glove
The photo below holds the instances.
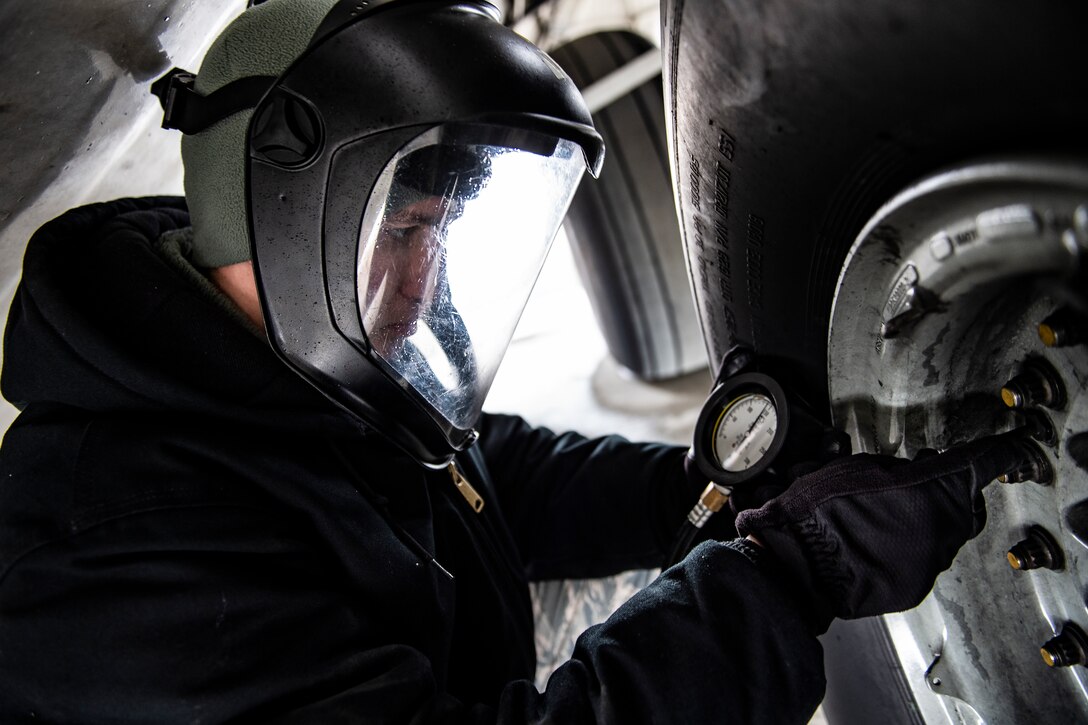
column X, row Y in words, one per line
column 868, row 534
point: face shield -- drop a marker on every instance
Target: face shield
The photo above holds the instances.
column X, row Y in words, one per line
column 451, row 242
column 405, row 177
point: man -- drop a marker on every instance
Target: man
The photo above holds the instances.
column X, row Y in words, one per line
column 201, row 523
column 407, row 303
column 403, row 272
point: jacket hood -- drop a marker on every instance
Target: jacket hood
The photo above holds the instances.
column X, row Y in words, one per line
column 101, row 321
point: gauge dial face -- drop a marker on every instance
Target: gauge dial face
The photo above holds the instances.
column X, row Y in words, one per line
column 744, row 432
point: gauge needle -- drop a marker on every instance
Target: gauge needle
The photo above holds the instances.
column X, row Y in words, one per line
column 756, row 421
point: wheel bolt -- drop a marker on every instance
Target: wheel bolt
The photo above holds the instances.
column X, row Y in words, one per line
column 1067, row 649
column 1035, row 467
column 1064, row 328
column 1037, row 384
column 1037, row 551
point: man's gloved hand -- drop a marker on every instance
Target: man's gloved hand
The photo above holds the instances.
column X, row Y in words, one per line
column 868, row 534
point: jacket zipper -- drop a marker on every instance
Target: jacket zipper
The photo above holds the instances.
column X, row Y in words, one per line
column 475, row 500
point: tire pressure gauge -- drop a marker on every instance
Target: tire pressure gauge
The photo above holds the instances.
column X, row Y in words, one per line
column 748, row 427
column 741, row 428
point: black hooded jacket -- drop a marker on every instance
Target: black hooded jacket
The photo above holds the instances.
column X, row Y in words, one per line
column 190, row 533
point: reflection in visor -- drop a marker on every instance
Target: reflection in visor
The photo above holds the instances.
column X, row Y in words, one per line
column 451, row 243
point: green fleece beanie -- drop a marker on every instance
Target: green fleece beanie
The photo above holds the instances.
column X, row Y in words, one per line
column 262, row 41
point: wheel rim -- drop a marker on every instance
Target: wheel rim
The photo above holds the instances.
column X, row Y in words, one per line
column 936, row 308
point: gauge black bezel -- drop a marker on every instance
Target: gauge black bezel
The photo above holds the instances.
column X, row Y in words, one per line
column 719, row 399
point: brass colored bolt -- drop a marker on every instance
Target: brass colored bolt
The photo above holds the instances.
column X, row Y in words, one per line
column 1012, row 397
column 1038, row 384
column 1064, row 328
column 1048, row 334
column 1067, row 649
column 1037, row 551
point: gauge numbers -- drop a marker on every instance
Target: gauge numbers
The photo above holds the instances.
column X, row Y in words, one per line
column 744, row 432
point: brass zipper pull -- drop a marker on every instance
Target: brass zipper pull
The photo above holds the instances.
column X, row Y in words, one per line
column 475, row 500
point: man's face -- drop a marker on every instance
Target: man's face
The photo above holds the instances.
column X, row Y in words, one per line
column 404, row 272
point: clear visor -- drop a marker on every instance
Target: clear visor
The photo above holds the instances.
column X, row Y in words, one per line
column 452, row 241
